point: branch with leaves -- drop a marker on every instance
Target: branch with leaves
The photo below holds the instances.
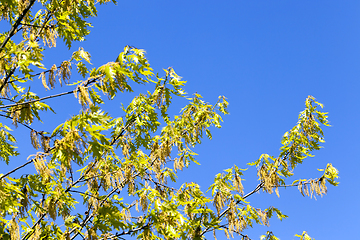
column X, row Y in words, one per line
column 105, row 175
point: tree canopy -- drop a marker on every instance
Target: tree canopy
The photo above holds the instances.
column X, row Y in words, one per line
column 109, row 175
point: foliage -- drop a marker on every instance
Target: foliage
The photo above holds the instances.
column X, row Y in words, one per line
column 100, row 176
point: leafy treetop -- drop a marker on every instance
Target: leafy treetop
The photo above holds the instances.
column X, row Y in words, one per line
column 102, row 176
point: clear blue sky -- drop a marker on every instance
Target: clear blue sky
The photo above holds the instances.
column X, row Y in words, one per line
column 266, row 57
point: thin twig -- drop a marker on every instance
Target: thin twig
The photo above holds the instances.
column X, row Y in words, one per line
column 87, row 219
column 257, row 188
column 132, row 230
column 8, row 99
column 33, row 75
column 37, row 100
column 31, row 25
column 15, row 169
column 246, row 237
column 85, row 194
column 48, row 97
column 19, row 122
column 111, row 192
column 160, row 184
column 23, row 165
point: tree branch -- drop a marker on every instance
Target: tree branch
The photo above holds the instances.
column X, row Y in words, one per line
column 87, row 219
column 48, row 97
column 159, row 184
column 8, row 99
column 132, row 230
column 75, row 191
column 40, row 99
column 33, row 75
column 27, row 163
column 244, row 237
column 257, row 188
column 14, row 27
column 37, row 26
column 15, row 169
column 28, row 234
column 12, row 32
column 19, row 122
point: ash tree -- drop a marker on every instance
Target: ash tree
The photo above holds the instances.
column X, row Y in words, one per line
column 110, row 175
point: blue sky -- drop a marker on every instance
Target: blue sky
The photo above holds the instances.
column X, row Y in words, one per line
column 266, row 57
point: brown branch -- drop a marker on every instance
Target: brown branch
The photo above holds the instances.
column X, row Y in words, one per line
column 37, row 26
column 87, row 219
column 48, row 97
column 40, row 99
column 80, row 179
column 27, row 163
column 132, row 230
column 160, row 184
column 33, row 75
column 28, row 234
column 8, row 99
column 47, row 151
column 19, row 122
column 7, row 78
column 15, row 169
column 117, row 235
column 114, row 236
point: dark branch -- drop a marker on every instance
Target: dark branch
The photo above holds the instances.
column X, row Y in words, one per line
column 19, row 122
column 15, row 169
column 37, row 26
column 40, row 99
column 14, row 27
column 27, row 163
column 244, row 237
column 47, row 97
column 132, row 230
column 159, row 184
column 257, row 188
column 87, row 219
column 8, row 99
column 85, row 194
column 12, row 32
column 33, row 75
